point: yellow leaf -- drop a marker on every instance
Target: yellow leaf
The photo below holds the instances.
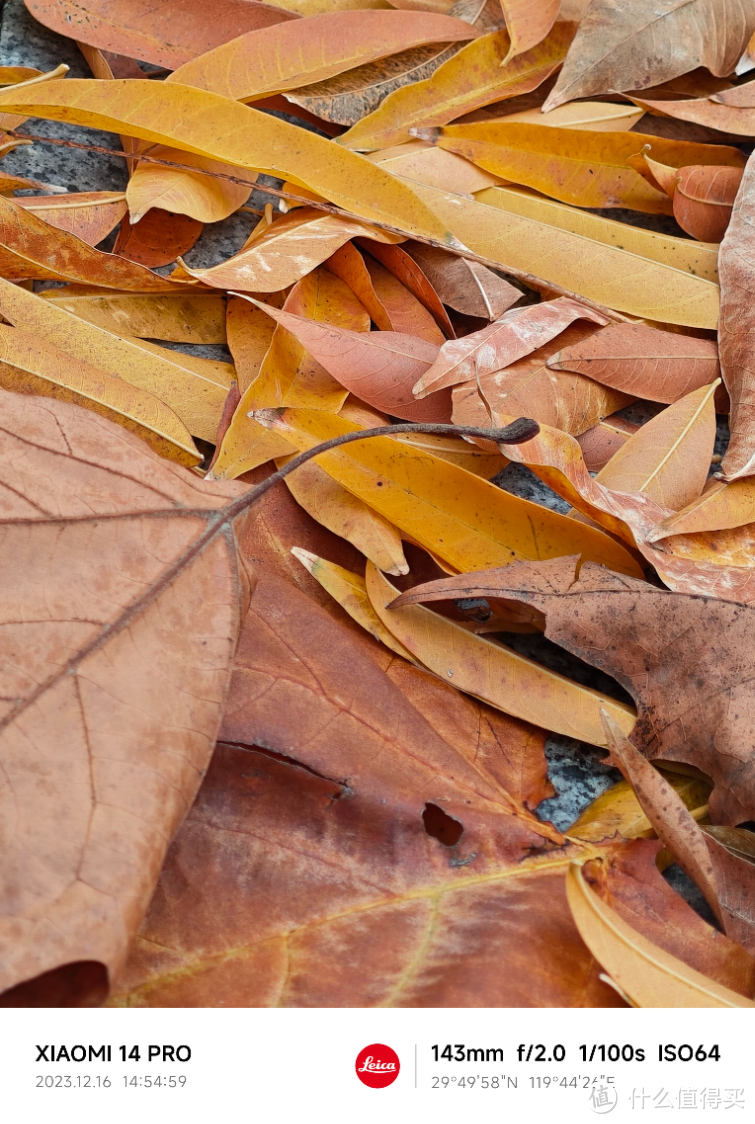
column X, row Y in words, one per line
column 609, row 274
column 209, row 125
column 90, row 215
column 456, row 451
column 492, row 672
column 183, row 317
column 647, row 974
column 721, row 507
column 30, row 365
column 290, row 247
column 599, row 116
column 418, row 160
column 619, row 810
column 196, row 398
column 350, row 592
column 460, row 517
column 298, row 53
column 202, row 197
column 472, row 78
column 345, row 515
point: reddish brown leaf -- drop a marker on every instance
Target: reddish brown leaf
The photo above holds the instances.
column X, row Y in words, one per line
column 406, row 270
column 703, row 200
column 600, row 443
column 158, row 238
column 464, row 285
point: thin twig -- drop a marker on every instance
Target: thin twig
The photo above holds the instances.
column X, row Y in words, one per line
column 530, row 279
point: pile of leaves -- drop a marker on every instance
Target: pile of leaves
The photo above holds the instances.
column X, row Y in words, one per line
column 266, row 735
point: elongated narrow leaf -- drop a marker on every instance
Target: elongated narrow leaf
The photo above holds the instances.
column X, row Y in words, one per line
column 31, row 247
column 292, row 246
column 708, row 112
column 732, row 852
column 151, row 32
column 603, row 440
column 528, row 22
column 250, row 333
column 494, row 673
column 648, row 975
column 159, row 238
column 518, row 333
column 639, row 360
column 721, row 507
column 90, row 215
column 194, row 391
column 666, row 811
column 180, row 317
column 465, row 285
column 345, row 515
column 419, row 160
column 350, row 591
column 348, row 264
column 405, row 269
column 205, row 198
column 31, row 365
column 597, row 116
column 213, row 126
column 619, row 810
column 472, row 78
column 576, row 166
column 703, row 200
column 646, row 43
column 379, row 367
column 408, row 315
column 297, row 53
column 463, row 519
column 604, row 271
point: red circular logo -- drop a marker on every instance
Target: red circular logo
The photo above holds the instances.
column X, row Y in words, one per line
column 377, row 1066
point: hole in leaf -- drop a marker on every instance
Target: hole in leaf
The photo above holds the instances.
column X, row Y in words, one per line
column 441, row 826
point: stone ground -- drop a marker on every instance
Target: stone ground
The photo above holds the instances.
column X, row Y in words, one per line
column 575, row 769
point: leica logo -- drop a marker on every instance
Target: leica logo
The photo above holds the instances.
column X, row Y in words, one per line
column 377, row 1066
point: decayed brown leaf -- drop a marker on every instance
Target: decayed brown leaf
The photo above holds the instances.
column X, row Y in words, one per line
column 118, row 674
column 638, row 45
column 662, row 647
column 465, row 285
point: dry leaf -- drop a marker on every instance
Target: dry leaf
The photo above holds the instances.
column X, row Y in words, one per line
column 30, row 365
column 597, row 116
column 708, row 112
column 619, row 811
column 528, row 23
column 181, row 317
column 587, row 169
column 159, row 238
column 684, row 659
column 464, row 285
column 407, row 315
column 732, row 854
column 720, row 507
column 473, row 77
column 298, row 53
column 143, row 31
column 639, row 360
column 602, row 441
column 647, row 974
column 418, row 160
column 120, row 663
column 645, row 43
column 498, row 345
column 379, row 367
column 461, row 518
column 250, row 333
column 406, row 270
column 212, row 126
column 736, row 328
column 348, row 264
column 204, row 198
column 496, row 674
column 703, row 200
column 90, row 215
column 291, row 247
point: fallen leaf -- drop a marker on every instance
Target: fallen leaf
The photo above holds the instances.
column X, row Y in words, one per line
column 418, row 160
column 150, row 33
column 602, row 441
column 461, row 518
column 721, row 507
column 291, row 247
column 498, row 345
column 587, row 169
column 213, row 126
column 464, row 285
column 90, row 215
column 645, row 362
column 503, row 229
column 203, row 197
column 456, row 451
column 345, row 515
column 684, row 659
column 703, row 200
column 408, row 315
column 705, row 111
column 158, row 238
column 288, row 373
column 638, row 46
column 473, row 77
column 348, row 264
column 298, row 53
column 405, row 269
column 737, row 324
column 667, row 812
column 618, row 811
column 348, row 97
column 29, row 365
column 732, row 854
column 597, row 116
column 379, row 367
column 181, row 317
column 31, row 247
column 528, row 23
column 250, row 333
column 196, row 397
column 494, row 673
column 647, row 974
column 121, row 658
